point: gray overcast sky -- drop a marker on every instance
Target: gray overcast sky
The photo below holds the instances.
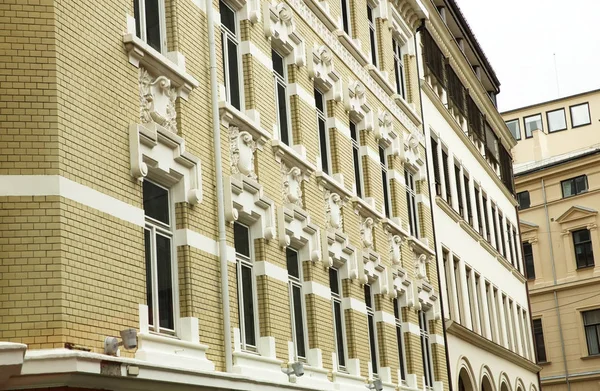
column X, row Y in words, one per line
column 519, row 38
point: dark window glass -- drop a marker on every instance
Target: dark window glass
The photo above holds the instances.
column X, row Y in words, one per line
column 148, row 250
column 399, row 339
column 411, row 203
column 356, row 159
column 338, row 316
column 399, row 69
column 277, row 63
column 241, row 239
column 436, row 167
column 153, row 24
column 469, row 214
column 292, row 262
column 478, row 211
column 372, row 35
column 248, row 305
column 574, row 186
column 322, row 131
column 165, row 282
column 584, row 254
column 136, row 15
column 227, row 17
column 299, row 321
column 528, row 257
column 446, row 164
column 156, row 202
column 538, row 339
column 282, row 105
column 384, row 182
column 234, row 81
column 461, row 209
column 591, row 322
column 523, row 200
column 502, row 236
column 486, row 218
column 333, row 281
column 372, row 343
column 345, row 17
column 368, row 302
column 426, row 349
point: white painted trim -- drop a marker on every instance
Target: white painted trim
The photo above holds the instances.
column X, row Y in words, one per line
column 247, row 47
column 333, row 122
column 316, row 289
column 365, row 150
column 55, row 185
column 422, row 198
column 350, row 303
column 264, row 268
column 397, row 176
column 437, row 339
column 385, row 317
column 296, row 89
column 187, row 237
column 412, row 328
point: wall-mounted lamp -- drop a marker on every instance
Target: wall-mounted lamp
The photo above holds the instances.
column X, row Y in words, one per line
column 376, row 385
column 129, row 341
column 296, row 369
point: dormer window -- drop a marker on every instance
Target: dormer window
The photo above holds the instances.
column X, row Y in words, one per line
column 150, row 25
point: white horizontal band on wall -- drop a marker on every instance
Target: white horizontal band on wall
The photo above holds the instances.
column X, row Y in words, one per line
column 264, row 268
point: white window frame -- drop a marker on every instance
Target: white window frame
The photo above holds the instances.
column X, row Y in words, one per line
column 337, row 299
column 399, row 68
column 162, row 20
column 280, row 80
column 401, row 343
column 426, row 350
column 358, row 187
column 298, row 282
column 157, row 227
column 387, row 195
column 411, row 195
column 322, row 116
column 242, row 260
column 371, row 315
column 226, row 36
column 373, row 30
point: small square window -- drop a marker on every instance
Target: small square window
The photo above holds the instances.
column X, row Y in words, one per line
column 533, row 122
column 515, row 128
column 574, row 186
column 580, row 115
column 584, row 254
column 557, row 120
column 591, row 323
column 523, row 200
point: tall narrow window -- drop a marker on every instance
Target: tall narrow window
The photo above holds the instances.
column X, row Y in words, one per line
column 469, row 212
column 458, row 294
column 338, row 317
column 296, row 302
column 591, row 323
column 229, row 46
column 523, row 200
column 387, row 202
column 245, row 280
column 372, row 35
column 487, row 219
column 323, row 135
column 471, row 299
column 446, row 164
column 498, row 315
column 280, row 75
column 426, row 349
column 514, row 237
column 356, row 159
column 490, row 303
column 346, row 17
column 584, row 254
column 411, row 201
column 478, row 211
column 158, row 237
column 510, row 249
column 538, row 339
column 507, row 321
column 502, row 245
column 528, row 257
column 150, row 23
column 400, row 338
column 479, row 304
column 399, row 71
column 461, row 209
column 436, row 167
column 513, row 323
column 370, row 303
column 448, row 270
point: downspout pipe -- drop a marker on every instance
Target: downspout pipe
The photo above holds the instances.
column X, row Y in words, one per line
column 214, row 96
column 560, row 331
column 419, row 29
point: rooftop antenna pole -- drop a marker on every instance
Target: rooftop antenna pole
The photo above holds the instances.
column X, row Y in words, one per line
column 556, row 74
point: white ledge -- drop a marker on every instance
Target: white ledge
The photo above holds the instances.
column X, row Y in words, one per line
column 352, row 47
column 230, row 116
column 323, row 14
column 408, row 109
column 333, row 183
column 12, row 356
column 380, row 78
column 292, row 156
column 142, row 54
column 174, row 352
column 367, row 209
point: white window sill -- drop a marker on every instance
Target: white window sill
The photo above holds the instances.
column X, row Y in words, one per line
column 258, row 367
column 230, row 116
column 380, row 78
column 395, row 226
column 164, row 350
column 347, row 382
column 316, row 378
column 322, row 13
column 172, row 67
column 366, row 207
column 422, row 247
column 333, row 183
column 352, row 46
column 293, row 157
column 408, row 108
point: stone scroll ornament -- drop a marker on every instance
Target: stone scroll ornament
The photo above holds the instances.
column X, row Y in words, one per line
column 292, row 189
column 366, row 232
column 333, row 204
column 157, row 101
column 396, row 249
column 242, row 148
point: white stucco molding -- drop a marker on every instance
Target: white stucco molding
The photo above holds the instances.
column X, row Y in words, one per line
column 160, row 154
column 264, row 366
column 280, row 28
column 296, row 230
column 171, row 66
column 248, row 121
column 321, row 70
column 355, row 103
column 183, row 352
column 248, row 9
column 409, row 152
column 12, row 356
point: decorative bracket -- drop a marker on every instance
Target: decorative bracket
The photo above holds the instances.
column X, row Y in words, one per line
column 320, row 69
column 279, row 26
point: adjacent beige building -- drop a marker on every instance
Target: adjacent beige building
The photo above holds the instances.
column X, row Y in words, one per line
column 557, row 176
column 253, row 206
